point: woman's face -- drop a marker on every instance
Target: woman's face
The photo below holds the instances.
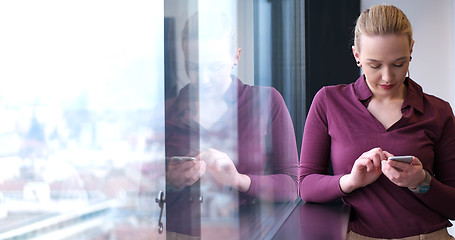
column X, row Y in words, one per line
column 208, row 64
column 385, row 61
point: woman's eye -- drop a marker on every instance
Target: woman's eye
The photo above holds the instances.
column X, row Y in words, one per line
column 215, row 67
column 375, row 66
column 398, row 65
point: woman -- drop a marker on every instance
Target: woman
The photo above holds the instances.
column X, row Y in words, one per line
column 241, row 137
column 357, row 127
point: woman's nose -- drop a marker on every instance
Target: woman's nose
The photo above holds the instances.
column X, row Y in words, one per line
column 387, row 75
column 204, row 76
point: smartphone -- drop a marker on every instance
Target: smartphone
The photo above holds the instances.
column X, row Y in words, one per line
column 405, row 159
column 182, row 158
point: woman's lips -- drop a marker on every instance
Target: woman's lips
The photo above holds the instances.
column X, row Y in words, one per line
column 387, row 86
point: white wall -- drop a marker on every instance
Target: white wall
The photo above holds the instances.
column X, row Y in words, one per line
column 432, row 63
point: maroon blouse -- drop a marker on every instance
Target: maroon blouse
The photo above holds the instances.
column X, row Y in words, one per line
column 265, row 146
column 339, row 129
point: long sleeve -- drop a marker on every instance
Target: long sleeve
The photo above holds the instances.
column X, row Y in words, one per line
column 279, row 181
column 441, row 197
column 315, row 184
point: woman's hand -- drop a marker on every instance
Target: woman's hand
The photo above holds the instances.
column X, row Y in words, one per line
column 366, row 170
column 404, row 174
column 181, row 174
column 223, row 170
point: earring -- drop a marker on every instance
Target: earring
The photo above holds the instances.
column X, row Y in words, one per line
column 358, row 64
column 410, row 58
column 235, row 65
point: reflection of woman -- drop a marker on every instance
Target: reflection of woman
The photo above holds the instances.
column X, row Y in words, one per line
column 241, row 136
column 358, row 126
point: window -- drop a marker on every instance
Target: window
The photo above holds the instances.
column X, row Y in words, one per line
column 217, row 114
column 82, row 126
column 86, row 127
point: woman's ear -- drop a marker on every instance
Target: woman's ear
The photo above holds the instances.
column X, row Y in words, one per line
column 237, row 55
column 356, row 56
column 412, row 46
column 355, row 53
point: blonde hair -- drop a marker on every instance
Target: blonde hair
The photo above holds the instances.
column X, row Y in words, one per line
column 382, row 20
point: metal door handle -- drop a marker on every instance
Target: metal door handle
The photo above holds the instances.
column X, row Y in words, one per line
column 160, row 199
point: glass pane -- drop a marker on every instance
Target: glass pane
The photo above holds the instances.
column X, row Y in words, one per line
column 82, row 119
column 230, row 147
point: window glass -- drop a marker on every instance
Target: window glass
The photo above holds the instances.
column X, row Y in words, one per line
column 141, row 118
column 82, row 119
column 231, row 158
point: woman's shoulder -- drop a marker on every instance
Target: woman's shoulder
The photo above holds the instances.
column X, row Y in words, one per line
column 437, row 103
column 334, row 92
column 266, row 98
column 434, row 99
column 257, row 88
column 428, row 100
column 257, row 91
column 336, row 88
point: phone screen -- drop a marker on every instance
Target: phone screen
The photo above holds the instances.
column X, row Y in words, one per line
column 406, row 159
column 182, row 158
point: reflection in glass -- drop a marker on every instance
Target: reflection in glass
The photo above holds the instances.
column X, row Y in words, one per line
column 229, row 145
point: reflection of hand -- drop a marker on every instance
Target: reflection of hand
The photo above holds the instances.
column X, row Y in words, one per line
column 181, row 174
column 404, row 174
column 366, row 169
column 223, row 170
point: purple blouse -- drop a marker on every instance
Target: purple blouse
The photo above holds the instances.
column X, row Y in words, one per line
column 265, row 144
column 339, row 128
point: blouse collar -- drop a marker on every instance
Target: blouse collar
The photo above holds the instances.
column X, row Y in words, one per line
column 414, row 96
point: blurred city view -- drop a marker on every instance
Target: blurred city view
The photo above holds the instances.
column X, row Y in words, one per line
column 81, row 119
column 77, row 170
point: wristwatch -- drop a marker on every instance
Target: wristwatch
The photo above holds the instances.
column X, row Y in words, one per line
column 424, row 186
